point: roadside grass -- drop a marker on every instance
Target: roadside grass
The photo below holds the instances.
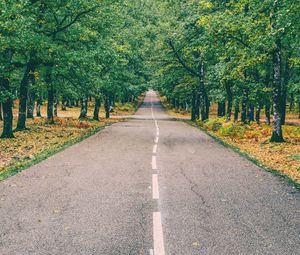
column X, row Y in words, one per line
column 252, row 141
column 41, row 140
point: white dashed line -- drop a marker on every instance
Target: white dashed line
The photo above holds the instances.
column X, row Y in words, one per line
column 155, row 192
column 158, row 235
column 154, row 148
column 157, row 225
column 154, row 167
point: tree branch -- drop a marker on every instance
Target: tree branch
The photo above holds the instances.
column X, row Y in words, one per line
column 181, row 61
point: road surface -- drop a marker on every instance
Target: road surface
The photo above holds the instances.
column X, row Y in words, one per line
column 150, row 185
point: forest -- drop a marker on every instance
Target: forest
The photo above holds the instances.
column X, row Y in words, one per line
column 61, row 53
column 241, row 56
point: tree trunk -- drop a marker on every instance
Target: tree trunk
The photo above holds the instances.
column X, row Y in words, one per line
column 31, row 96
column 283, row 106
column 276, row 83
column 50, row 90
column 221, row 109
column 250, row 114
column 203, row 92
column 55, row 103
column 64, row 103
column 276, row 127
column 39, row 102
column 193, row 113
column 21, row 125
column 97, row 108
column 236, row 111
column 244, row 106
column 83, row 108
column 268, row 113
column 284, row 86
column 30, row 105
column 107, row 106
column 197, row 105
column 229, row 98
column 292, row 102
column 206, row 104
column 257, row 114
column 7, row 110
column 1, row 117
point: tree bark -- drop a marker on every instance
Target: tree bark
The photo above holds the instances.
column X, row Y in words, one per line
column 283, row 106
column 64, row 103
column 292, row 102
column 55, row 103
column 83, row 108
column 276, row 84
column 244, row 106
column 250, row 114
column 39, row 102
column 50, row 90
column 30, row 105
column 1, row 115
column 107, row 106
column 268, row 113
column 197, row 105
column 202, row 90
column 97, row 108
column 21, row 125
column 31, row 97
column 7, row 110
column 257, row 114
column 193, row 113
column 206, row 104
column 236, row 111
column 221, row 109
column 229, row 99
column 276, row 127
column 284, row 86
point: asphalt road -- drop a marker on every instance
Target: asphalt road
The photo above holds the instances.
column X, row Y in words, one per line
column 150, row 185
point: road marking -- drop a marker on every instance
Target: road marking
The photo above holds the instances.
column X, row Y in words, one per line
column 155, row 192
column 154, row 148
column 159, row 248
column 157, row 225
column 154, row 167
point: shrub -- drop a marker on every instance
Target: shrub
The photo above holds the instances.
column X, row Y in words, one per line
column 233, row 130
column 213, row 124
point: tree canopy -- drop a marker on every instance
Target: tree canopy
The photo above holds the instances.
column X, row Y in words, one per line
column 242, row 55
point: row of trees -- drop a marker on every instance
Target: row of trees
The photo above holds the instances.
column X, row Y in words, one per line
column 243, row 55
column 69, row 51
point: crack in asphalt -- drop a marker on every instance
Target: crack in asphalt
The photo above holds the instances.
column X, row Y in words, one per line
column 193, row 187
